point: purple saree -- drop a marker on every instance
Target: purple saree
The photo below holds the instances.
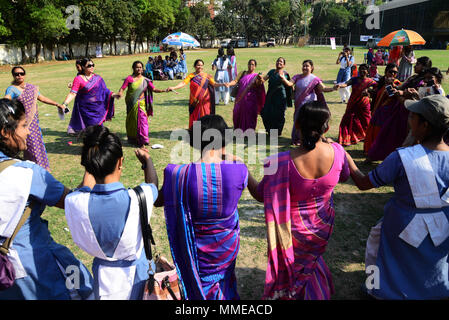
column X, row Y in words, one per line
column 248, row 103
column 35, row 151
column 200, row 205
column 93, row 105
column 305, row 91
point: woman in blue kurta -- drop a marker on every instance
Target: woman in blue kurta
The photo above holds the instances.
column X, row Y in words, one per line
column 40, row 264
column 103, row 217
column 410, row 245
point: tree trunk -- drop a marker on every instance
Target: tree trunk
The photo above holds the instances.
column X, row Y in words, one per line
column 135, row 45
column 129, row 46
column 115, row 45
column 51, row 47
column 38, row 52
column 87, row 49
column 71, row 51
column 23, row 53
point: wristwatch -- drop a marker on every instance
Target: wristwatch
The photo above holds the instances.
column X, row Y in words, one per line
column 144, row 166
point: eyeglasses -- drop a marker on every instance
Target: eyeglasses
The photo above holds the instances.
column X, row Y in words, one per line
column 16, row 74
column 90, row 65
column 393, row 72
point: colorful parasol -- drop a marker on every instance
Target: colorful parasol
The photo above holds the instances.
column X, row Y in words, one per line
column 401, row 38
column 180, row 39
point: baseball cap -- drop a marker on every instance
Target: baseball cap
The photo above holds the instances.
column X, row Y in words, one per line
column 434, row 108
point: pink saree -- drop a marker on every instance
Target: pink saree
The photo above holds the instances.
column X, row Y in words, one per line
column 248, row 103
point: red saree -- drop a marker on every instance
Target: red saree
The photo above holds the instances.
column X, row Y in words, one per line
column 357, row 116
column 202, row 97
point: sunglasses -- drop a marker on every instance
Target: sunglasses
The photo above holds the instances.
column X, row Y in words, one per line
column 19, row 74
column 90, row 65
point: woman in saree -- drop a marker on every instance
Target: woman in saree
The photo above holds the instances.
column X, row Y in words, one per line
column 357, row 116
column 94, row 102
column 200, row 204
column 139, row 104
column 299, row 209
column 278, row 97
column 250, row 98
column 308, row 87
column 390, row 124
column 202, row 92
column 29, row 94
column 386, row 113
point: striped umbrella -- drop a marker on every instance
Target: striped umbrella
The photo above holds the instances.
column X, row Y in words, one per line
column 180, row 39
column 401, row 38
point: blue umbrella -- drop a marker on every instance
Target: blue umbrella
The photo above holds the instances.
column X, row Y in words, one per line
column 180, row 39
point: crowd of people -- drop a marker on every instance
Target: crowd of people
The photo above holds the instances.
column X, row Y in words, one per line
column 170, row 68
column 404, row 124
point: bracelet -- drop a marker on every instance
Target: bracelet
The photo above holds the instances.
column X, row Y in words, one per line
column 64, row 104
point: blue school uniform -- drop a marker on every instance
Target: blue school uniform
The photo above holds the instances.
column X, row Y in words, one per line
column 104, row 222
column 412, row 254
column 41, row 264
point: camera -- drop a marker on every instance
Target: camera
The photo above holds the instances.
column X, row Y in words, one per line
column 389, row 89
column 430, row 83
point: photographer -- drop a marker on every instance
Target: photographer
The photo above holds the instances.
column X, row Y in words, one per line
column 432, row 79
column 346, row 60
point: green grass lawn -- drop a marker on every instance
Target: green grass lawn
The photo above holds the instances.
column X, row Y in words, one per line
column 356, row 211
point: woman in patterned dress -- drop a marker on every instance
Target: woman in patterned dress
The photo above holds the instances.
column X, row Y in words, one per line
column 28, row 94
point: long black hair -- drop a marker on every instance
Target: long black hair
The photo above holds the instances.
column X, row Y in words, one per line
column 101, row 151
column 11, row 112
column 313, row 122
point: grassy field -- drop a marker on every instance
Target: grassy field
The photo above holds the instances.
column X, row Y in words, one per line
column 356, row 211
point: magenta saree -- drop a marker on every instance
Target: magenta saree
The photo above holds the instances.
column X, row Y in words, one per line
column 248, row 103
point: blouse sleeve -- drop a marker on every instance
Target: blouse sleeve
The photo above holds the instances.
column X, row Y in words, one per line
column 151, row 85
column 387, row 171
column 211, row 79
column 345, row 172
column 76, row 84
column 13, row 92
column 127, row 81
column 188, row 78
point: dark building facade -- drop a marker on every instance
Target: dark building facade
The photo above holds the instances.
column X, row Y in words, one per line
column 429, row 18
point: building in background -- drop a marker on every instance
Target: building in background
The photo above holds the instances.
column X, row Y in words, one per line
column 430, row 18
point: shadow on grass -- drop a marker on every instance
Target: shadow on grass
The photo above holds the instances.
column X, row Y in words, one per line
column 250, row 283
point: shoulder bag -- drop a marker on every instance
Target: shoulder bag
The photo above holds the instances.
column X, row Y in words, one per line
column 7, row 273
column 162, row 283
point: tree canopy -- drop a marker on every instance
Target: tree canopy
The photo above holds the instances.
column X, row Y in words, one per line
column 44, row 22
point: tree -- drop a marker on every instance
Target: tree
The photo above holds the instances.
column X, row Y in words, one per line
column 48, row 26
column 329, row 18
column 4, row 30
column 203, row 27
